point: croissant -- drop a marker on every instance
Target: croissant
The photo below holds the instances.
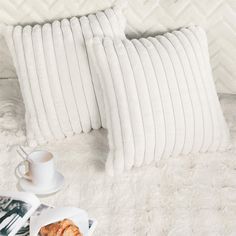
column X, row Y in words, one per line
column 61, row 228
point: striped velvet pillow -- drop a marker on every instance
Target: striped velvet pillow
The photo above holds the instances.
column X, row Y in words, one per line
column 160, row 98
column 60, row 93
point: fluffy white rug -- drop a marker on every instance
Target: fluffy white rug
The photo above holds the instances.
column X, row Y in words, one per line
column 188, row 195
column 12, row 126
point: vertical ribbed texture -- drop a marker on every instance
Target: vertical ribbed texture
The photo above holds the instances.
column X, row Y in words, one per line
column 62, row 95
column 160, row 98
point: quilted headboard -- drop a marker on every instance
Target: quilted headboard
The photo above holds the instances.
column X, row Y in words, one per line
column 144, row 17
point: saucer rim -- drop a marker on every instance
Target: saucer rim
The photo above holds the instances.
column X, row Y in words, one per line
column 40, row 191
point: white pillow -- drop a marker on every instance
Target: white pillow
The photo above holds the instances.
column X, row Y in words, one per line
column 160, row 98
column 54, row 73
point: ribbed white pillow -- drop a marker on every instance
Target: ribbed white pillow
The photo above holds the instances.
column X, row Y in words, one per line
column 54, row 73
column 160, row 98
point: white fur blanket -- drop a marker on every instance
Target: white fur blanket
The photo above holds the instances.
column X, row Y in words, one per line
column 188, row 195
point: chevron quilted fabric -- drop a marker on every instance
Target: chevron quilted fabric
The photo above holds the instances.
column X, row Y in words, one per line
column 144, row 17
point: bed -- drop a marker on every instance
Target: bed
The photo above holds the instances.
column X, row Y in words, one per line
column 188, row 195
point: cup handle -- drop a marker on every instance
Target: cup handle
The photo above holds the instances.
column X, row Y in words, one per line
column 19, row 172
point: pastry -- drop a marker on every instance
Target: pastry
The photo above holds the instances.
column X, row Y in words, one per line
column 61, row 228
column 71, row 230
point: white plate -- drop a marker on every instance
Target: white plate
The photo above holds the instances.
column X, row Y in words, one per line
column 56, row 185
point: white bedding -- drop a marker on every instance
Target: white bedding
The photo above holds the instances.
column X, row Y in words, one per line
column 188, row 195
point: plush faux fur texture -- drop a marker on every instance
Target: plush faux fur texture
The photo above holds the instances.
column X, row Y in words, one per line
column 54, row 73
column 191, row 195
column 160, row 98
column 12, row 123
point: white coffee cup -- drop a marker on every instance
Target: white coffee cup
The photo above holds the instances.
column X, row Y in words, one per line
column 41, row 170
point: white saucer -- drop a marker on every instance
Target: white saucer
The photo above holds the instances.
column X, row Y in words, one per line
column 56, row 185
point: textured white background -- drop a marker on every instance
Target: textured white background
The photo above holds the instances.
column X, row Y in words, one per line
column 145, row 17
